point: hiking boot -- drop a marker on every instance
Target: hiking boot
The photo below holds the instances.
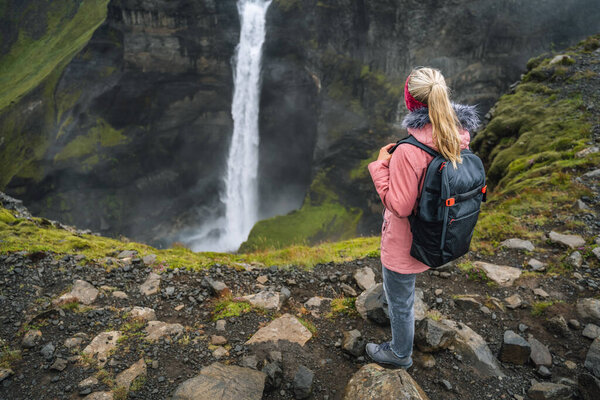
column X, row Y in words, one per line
column 383, row 354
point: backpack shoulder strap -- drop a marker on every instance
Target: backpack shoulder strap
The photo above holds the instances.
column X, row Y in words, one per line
column 412, row 140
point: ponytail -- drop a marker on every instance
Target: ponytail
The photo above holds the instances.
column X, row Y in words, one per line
column 428, row 86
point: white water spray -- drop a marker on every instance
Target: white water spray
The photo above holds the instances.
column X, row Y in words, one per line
column 241, row 179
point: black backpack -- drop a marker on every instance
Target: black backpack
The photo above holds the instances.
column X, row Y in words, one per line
column 448, row 208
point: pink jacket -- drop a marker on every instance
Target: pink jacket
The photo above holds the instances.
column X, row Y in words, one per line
column 398, row 183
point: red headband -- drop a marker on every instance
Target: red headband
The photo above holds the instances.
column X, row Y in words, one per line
column 411, row 103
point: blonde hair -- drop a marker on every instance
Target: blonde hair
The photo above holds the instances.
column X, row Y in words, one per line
column 428, row 86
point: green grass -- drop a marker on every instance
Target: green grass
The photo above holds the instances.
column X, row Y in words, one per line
column 30, row 61
column 8, row 356
column 308, row 325
column 539, row 307
column 228, row 308
column 343, row 306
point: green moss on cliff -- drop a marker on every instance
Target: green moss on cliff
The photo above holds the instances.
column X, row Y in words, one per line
column 101, row 135
column 30, row 61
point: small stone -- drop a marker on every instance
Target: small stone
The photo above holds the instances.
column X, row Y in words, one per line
column 467, row 303
column 558, row 325
column 425, row 360
column 585, row 152
column 438, row 292
column 120, row 295
column 267, row 299
column 170, row 291
column 127, row 254
column 544, row 372
column 540, row 355
column 220, row 325
column 151, row 285
column 126, row 378
column 218, row 340
column 592, row 359
column 144, row 313
column 348, row 290
column 179, row 307
column 158, row 329
column 287, row 327
column 570, row 365
column 536, row 265
column 82, row 292
column 591, row 331
column 364, row 277
column 596, row 252
column 149, row 259
column 353, row 343
column 31, row 339
column 514, row 349
column 59, row 365
column 575, row 259
column 523, row 328
column 220, row 352
column 274, row 375
column 446, row 384
column 433, row 336
column 262, row 279
column 572, row 241
column 518, row 244
column 514, row 301
column 501, row 274
column 218, row 288
column 87, row 382
column 589, row 309
column 102, row 345
column 47, row 351
column 249, row 362
column 315, row 302
column 541, row 293
column 303, row 380
column 5, row 373
column 549, row 391
column 574, row 324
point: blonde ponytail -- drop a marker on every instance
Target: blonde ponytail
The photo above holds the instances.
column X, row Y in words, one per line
column 428, row 86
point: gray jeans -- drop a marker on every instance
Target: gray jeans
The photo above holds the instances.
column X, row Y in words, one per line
column 400, row 295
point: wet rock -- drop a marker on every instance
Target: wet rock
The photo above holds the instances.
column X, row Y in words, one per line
column 102, row 345
column 589, row 309
column 353, row 343
column 364, row 277
column 549, row 391
column 59, row 364
column 158, row 329
column 501, row 274
column 536, row 265
column 218, row 340
column 373, row 382
column 474, row 350
column 518, row 244
column 540, row 355
column 151, row 285
column 82, row 292
column 348, row 290
column 514, row 349
column 267, row 299
column 572, row 241
column 514, row 301
column 467, row 303
column 575, row 259
column 370, row 305
column 218, row 381
column 274, row 375
column 591, row 331
column 589, row 387
column 126, row 378
column 286, row 327
column 303, row 380
column 47, row 351
column 5, row 373
column 431, row 336
column 145, row 313
column 31, row 339
column 592, row 359
column 218, row 288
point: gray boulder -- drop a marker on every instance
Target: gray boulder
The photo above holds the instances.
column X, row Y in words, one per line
column 549, row 391
column 592, row 359
column 373, row 382
column 515, row 349
column 303, row 381
column 353, row 343
column 433, row 336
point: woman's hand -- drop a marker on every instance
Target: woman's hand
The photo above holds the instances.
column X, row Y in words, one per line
column 383, row 152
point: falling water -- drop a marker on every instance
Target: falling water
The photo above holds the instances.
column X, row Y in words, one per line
column 241, row 193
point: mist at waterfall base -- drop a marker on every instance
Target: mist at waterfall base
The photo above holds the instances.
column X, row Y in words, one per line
column 240, row 197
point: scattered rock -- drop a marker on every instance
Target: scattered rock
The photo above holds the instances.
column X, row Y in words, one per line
column 474, row 350
column 570, row 365
column 75, row 341
column 420, row 307
column 31, row 339
column 126, row 378
column 286, row 327
column 220, row 325
column 574, row 324
column 218, row 288
column 431, row 336
column 267, row 299
column 515, row 349
column 274, row 375
column 562, row 59
column 541, row 293
column 572, row 241
column 5, row 373
column 249, row 362
column 88, row 382
column 218, row 381
column 596, row 252
column 501, row 274
column 315, row 302
column 589, row 387
column 157, row 329
column 127, row 254
column 364, row 277
column 120, row 295
column 47, row 351
column 549, row 391
column 218, row 340
column 536, row 265
column 373, row 382
column 518, row 244
column 145, row 313
column 592, row 174
column 591, row 331
column 59, row 364
column 102, row 345
column 151, row 285
column 575, row 259
column 303, row 380
column 592, row 359
column 558, row 325
column 348, row 290
column 262, row 279
column 369, row 304
column 540, row 355
column 220, row 352
column 543, row 371
column 467, row 303
column 353, row 343
column 82, row 292
column 589, row 309
column 586, row 152
column 149, row 259
column 514, row 301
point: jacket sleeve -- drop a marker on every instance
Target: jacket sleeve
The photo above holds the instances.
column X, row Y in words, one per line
column 396, row 181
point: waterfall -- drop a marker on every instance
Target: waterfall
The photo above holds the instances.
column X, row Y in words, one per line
column 241, row 178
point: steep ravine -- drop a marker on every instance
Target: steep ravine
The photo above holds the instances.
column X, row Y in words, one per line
column 130, row 137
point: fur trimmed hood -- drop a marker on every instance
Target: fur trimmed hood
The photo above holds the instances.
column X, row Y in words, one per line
column 467, row 116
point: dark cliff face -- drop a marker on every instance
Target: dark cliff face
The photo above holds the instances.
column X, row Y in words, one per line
column 131, row 136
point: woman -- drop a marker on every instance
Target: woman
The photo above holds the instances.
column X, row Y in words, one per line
column 398, row 179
